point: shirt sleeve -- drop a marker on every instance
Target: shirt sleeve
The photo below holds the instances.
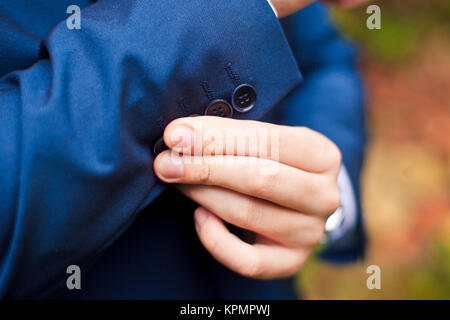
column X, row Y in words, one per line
column 345, row 217
column 77, row 128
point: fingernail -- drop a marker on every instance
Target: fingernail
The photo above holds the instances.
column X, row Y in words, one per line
column 171, row 167
column 200, row 216
column 182, row 138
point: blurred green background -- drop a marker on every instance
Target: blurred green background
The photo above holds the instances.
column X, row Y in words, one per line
column 406, row 177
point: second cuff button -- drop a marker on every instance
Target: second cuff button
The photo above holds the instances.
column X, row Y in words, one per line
column 219, row 108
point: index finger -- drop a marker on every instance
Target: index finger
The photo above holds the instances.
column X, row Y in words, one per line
column 298, row 147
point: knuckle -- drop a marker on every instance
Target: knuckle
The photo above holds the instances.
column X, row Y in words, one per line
column 305, row 130
column 296, row 262
column 336, row 155
column 333, row 154
column 327, row 152
column 317, row 233
column 254, row 268
column 315, row 189
column 203, row 174
column 261, row 183
column 331, row 201
column 293, row 269
column 212, row 244
column 248, row 214
column 297, row 265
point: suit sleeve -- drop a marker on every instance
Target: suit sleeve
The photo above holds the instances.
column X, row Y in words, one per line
column 77, row 128
column 331, row 101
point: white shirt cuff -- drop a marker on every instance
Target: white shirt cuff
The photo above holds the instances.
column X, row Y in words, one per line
column 344, row 218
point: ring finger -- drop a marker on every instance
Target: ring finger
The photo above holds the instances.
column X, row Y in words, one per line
column 280, row 224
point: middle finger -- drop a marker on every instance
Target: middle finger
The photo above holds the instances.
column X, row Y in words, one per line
column 270, row 180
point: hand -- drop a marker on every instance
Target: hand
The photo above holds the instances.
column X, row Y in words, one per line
column 285, row 201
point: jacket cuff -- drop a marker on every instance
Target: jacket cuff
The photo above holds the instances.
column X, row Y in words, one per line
column 162, row 60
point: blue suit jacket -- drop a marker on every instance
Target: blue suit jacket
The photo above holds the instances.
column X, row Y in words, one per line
column 80, row 111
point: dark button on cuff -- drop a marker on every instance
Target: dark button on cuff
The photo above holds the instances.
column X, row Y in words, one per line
column 244, row 98
column 219, row 108
column 159, row 146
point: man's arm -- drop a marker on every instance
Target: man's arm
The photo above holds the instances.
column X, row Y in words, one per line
column 77, row 129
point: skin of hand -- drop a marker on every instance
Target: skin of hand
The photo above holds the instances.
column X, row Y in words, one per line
column 283, row 190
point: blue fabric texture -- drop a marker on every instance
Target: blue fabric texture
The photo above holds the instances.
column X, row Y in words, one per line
column 80, row 111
